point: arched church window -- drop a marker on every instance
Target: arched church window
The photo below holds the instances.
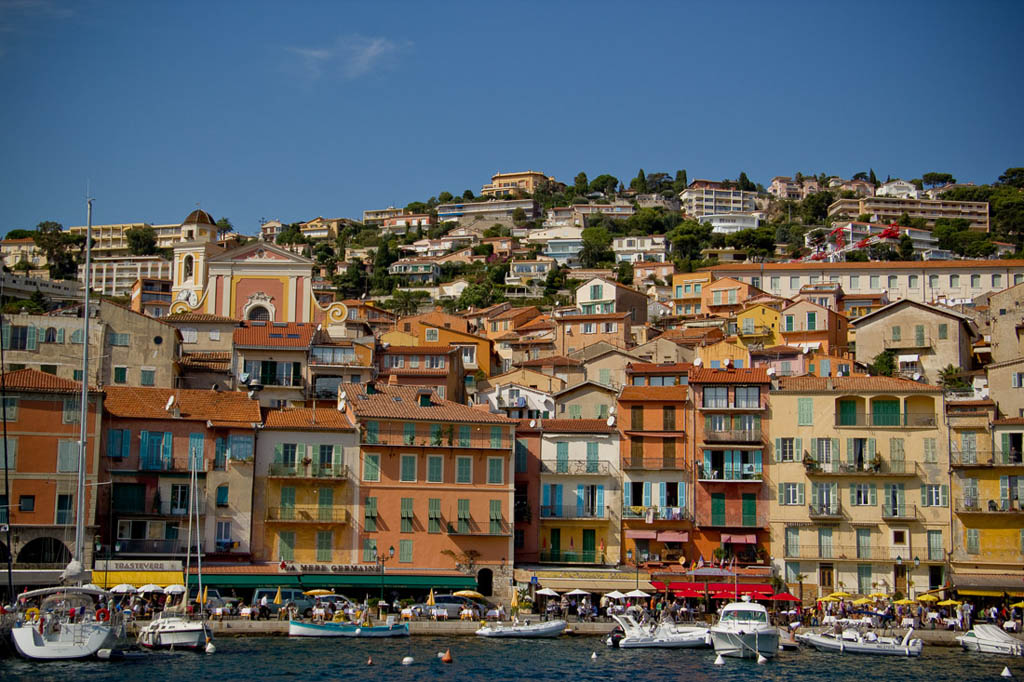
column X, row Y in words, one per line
column 259, row 314
column 189, row 266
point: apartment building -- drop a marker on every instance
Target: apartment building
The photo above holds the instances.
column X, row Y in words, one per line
column 688, row 288
column 698, row 202
column 580, row 492
column 885, row 209
column 808, row 325
column 899, row 188
column 116, row 275
column 506, row 184
column 729, row 223
column 585, row 400
column 407, row 222
column 377, row 216
column 861, row 486
column 23, row 250
column 335, row 361
column 435, row 489
column 468, row 212
column 650, row 249
column 273, row 356
column 598, row 295
column 784, row 187
column 575, row 332
column 437, row 367
column 416, row 270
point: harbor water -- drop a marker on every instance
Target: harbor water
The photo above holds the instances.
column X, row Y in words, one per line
column 566, row 658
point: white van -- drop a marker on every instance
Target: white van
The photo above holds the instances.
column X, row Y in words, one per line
column 288, row 595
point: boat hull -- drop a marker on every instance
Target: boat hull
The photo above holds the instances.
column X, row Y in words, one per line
column 297, row 629
column 73, row 641
column 552, row 628
column 987, row 639
column 176, row 633
column 740, row 644
column 847, row 646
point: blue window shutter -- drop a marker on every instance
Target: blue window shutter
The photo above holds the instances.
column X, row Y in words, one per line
column 579, row 500
column 778, row 450
column 662, row 488
column 558, row 495
column 627, row 494
column 873, row 492
column 545, row 497
column 647, row 493
column 60, row 335
column 143, row 448
column 168, row 449
column 681, row 496
column 757, row 462
column 30, row 342
column 126, row 441
column 113, row 442
column 707, row 464
column 600, row 500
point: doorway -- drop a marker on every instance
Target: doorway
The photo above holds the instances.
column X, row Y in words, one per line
column 899, row 578
column 826, row 579
column 485, row 582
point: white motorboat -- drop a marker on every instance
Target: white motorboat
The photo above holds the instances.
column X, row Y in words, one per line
column 66, row 625
column 550, row 628
column 743, row 631
column 991, row 639
column 855, row 642
column 663, row 635
column 339, row 629
column 175, row 632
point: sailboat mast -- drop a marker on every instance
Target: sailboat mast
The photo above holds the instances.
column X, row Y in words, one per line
column 83, row 415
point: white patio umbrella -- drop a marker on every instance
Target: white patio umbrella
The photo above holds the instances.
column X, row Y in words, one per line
column 615, row 594
column 548, row 592
column 174, row 589
column 578, row 593
column 637, row 594
column 91, row 586
column 123, row 588
column 150, row 588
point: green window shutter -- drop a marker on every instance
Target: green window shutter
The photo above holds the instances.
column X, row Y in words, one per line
column 777, row 454
column 408, row 464
column 463, row 470
column 286, row 545
column 435, row 466
column 800, row 494
column 1006, row 448
column 407, row 515
column 853, row 494
column 873, row 492
column 408, row 433
column 405, row 551
column 60, row 335
column 369, row 549
column 944, row 495
column 372, row 432
column 495, row 436
column 434, row 515
column 323, row 545
column 371, row 467
column 805, row 411
column 798, row 449
column 782, row 493
column 924, row 495
column 370, row 515
column 495, row 517
column 495, row 470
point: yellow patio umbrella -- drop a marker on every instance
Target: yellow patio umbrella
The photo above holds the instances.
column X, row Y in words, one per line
column 927, row 597
column 1018, row 605
column 952, row 602
column 277, row 597
column 828, row 599
column 840, row 595
column 430, row 598
column 878, row 595
column 468, row 594
column 515, row 600
column 201, row 598
column 904, row 602
column 318, row 593
column 862, row 601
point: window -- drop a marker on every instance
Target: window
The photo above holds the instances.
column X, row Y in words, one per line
column 65, row 515
column 405, row 551
column 11, row 409
column 973, row 541
column 408, row 433
column 67, row 456
column 189, row 335
column 120, row 375
column 896, row 333
column 435, row 469
column 370, row 550
column 912, row 281
column 463, row 516
column 434, row 515
column 854, row 282
column 975, row 281
column 863, row 494
column 27, row 503
column 463, row 469
column 286, row 545
column 954, row 281
column 497, row 525
column 748, row 396
column 116, row 339
column 874, row 281
column 372, row 432
column 788, row 323
column 468, row 355
column 323, row 545
column 785, row 449
column 791, row 493
column 930, row 454
column 431, row 335
column 595, row 292
column 589, row 328
column 214, row 335
column 934, row 495
column 71, row 408
column 716, row 396
column 147, row 377
column 495, row 470
column 805, row 411
column 812, row 321
column 496, row 437
column 222, row 496
column 943, row 331
column 240, row 448
column 997, row 281
column 864, row 578
column 408, row 469
column 370, row 515
column 407, row 514
column 371, row 467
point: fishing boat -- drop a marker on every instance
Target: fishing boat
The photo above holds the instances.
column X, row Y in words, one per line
column 990, row 639
column 633, row 635
column 70, row 622
column 743, row 631
column 855, row 642
column 301, row 629
column 551, row 628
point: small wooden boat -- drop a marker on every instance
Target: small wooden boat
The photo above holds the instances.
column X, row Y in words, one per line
column 853, row 642
column 551, row 628
column 301, row 629
column 990, row 639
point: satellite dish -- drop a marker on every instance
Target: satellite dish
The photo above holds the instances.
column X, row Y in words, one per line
column 725, row 362
column 244, row 377
column 215, row 387
column 533, row 423
column 251, row 394
column 697, row 362
column 806, row 350
column 611, row 410
column 770, row 371
column 341, row 406
column 170, row 403
column 342, row 396
column 319, row 327
column 611, row 421
column 917, row 376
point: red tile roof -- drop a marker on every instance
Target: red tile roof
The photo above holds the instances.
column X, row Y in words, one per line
column 597, row 317
column 402, row 402
column 200, row 317
column 307, row 418
column 786, row 350
column 516, row 312
column 819, row 267
column 1009, row 421
column 551, row 361
column 575, row 426
column 274, row 335
column 194, row 404
column 658, row 368
column 213, row 361
column 417, row 350
column 654, row 393
column 863, row 384
column 34, row 380
column 746, row 375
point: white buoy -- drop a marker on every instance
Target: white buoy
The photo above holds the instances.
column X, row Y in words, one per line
column 719, row 660
column 210, row 648
column 359, row 631
column 440, row 654
column 593, row 655
column 407, row 660
column 761, row 659
column 1006, row 672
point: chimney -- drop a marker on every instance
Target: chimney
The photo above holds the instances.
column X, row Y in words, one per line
column 393, row 380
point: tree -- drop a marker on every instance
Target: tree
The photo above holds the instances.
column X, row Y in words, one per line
column 639, row 183
column 871, row 177
column 498, row 230
column 141, row 241
column 380, row 279
column 581, row 184
column 918, row 183
column 759, row 243
column 468, row 195
column 224, row 227
column 19, row 233
column 884, row 364
column 624, row 272
column 906, row 247
column 860, row 176
column 745, row 184
column 605, row 184
column 596, row 247
column 937, row 179
column 352, row 283
column 519, row 216
column 951, row 379
column 406, row 302
column 814, row 209
column 681, row 182
column 688, row 238
column 480, row 296
column 445, row 197
column 1014, row 177
column 63, row 250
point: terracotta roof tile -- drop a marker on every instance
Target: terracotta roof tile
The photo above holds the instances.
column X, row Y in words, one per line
column 658, row 368
column 551, row 361
column 746, row 268
column 537, row 323
column 194, row 404
column 416, row 350
column 200, row 317
column 656, row 393
column 307, row 418
column 274, row 335
column 34, row 380
column 863, row 384
column 214, row 361
column 383, row 405
column 746, row 375
column 778, row 349
column 576, row 426
column 516, row 312
column 597, row 317
column 1008, row 421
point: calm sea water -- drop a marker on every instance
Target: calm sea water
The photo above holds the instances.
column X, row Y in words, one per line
column 279, row 658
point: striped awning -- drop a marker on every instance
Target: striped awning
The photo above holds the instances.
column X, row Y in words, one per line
column 137, row 578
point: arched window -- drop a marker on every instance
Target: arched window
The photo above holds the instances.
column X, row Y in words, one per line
column 259, row 313
column 189, row 267
column 51, row 335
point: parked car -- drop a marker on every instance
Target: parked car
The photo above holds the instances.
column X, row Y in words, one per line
column 289, row 595
column 213, row 598
column 450, row 603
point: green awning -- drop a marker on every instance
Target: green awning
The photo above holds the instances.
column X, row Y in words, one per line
column 311, row 580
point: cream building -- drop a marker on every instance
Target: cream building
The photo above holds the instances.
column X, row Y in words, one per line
column 861, row 469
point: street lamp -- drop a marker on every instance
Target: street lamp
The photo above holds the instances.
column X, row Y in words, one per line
column 917, row 562
column 639, row 558
column 899, row 560
column 380, row 562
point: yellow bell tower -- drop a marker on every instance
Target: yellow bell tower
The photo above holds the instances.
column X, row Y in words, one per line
column 198, row 237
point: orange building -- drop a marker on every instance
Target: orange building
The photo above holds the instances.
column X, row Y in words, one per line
column 809, row 325
column 526, row 509
column 43, row 423
column 575, row 332
column 732, row 498
column 438, row 368
column 726, row 296
column 435, row 493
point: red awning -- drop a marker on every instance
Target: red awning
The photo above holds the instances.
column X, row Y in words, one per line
column 660, row 587
column 673, row 536
column 741, row 588
column 739, row 539
column 641, row 534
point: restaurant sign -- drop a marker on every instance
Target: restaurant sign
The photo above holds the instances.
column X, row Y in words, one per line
column 327, row 568
column 123, row 565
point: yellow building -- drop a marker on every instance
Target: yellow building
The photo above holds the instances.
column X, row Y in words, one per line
column 504, row 184
column 861, row 470
column 724, row 353
column 758, row 325
column 687, row 288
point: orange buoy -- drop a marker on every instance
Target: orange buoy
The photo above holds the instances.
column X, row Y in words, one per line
column 447, row 658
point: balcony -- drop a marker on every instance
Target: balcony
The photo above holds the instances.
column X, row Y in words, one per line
column 867, row 419
column 719, row 475
column 981, row 459
column 308, row 513
column 658, row 513
column 737, row 519
column 733, row 436
column 878, row 467
column 913, row 342
column 570, row 556
column 754, row 331
column 313, row 470
column 574, row 512
column 170, row 466
column 124, row 547
column 826, row 551
column 468, row 527
column 664, row 463
column 829, row 510
column 478, row 438
column 974, row 505
column 743, row 406
column 899, row 512
column 576, row 468
column 180, row 508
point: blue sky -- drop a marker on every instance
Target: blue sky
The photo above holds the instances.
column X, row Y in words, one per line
column 293, row 110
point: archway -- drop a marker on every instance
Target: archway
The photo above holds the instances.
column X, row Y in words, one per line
column 44, row 551
column 485, row 582
column 259, row 314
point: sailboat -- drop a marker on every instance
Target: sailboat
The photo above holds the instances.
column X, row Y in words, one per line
column 174, row 629
column 70, row 621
